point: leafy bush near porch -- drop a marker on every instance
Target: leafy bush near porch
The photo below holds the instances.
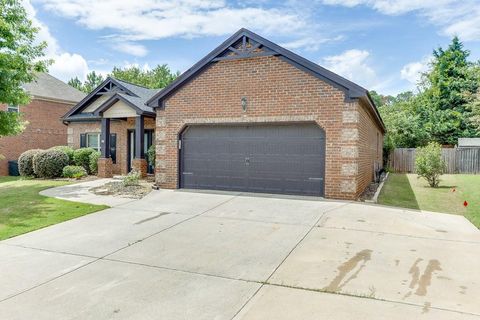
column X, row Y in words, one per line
column 76, row 172
column 25, row 162
column 49, row 163
column 93, row 165
column 132, row 178
column 429, row 163
column 81, row 157
column 151, row 155
column 68, row 150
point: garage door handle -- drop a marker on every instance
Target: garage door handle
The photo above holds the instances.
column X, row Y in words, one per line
column 316, row 179
column 187, row 173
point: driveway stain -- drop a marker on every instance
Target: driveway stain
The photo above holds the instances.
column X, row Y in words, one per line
column 358, row 261
column 426, row 307
column 424, row 281
column 152, row 218
column 415, row 272
column 463, row 290
column 426, row 278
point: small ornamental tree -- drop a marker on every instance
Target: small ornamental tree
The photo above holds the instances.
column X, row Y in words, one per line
column 429, row 163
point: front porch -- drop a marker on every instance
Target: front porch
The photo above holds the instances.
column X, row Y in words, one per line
column 131, row 153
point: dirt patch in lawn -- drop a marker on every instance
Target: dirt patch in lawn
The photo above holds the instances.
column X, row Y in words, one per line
column 117, row 188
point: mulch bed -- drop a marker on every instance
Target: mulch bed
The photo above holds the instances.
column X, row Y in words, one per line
column 117, row 188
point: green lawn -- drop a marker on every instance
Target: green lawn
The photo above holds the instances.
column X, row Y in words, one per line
column 23, row 210
column 408, row 191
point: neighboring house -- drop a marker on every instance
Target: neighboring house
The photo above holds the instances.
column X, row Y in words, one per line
column 469, row 142
column 250, row 116
column 51, row 98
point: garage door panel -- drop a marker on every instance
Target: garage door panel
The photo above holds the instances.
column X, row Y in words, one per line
column 257, row 158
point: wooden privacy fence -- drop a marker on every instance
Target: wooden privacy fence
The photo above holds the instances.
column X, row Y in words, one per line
column 457, row 160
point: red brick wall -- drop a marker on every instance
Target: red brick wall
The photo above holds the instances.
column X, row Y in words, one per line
column 276, row 92
column 370, row 149
column 43, row 131
column 120, row 127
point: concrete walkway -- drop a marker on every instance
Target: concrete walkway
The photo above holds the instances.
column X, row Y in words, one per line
column 194, row 255
column 79, row 192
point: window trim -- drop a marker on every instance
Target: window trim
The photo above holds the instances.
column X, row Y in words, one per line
column 13, row 108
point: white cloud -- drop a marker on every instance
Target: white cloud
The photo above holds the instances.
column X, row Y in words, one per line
column 454, row 17
column 309, row 43
column 137, row 20
column 66, row 65
column 353, row 65
column 412, row 72
column 134, row 49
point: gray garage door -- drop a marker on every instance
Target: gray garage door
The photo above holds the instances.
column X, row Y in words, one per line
column 288, row 159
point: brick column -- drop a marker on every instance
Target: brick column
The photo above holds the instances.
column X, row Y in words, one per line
column 349, row 153
column 105, row 168
column 140, row 165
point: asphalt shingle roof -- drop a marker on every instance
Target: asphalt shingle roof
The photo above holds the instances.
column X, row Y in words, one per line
column 47, row 86
column 144, row 94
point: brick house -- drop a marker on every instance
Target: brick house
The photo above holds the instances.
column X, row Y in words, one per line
column 51, row 98
column 250, row 116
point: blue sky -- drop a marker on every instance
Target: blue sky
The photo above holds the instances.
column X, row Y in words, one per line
column 380, row 44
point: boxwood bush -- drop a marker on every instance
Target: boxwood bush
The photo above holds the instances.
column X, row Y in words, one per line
column 25, row 162
column 81, row 157
column 94, row 162
column 76, row 172
column 49, row 163
column 68, row 150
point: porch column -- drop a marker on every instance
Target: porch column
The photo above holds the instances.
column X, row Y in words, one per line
column 105, row 138
column 139, row 163
column 139, row 137
column 105, row 164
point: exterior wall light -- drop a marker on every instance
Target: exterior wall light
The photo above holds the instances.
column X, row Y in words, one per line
column 244, row 104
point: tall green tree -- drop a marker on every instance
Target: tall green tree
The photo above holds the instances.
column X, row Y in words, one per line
column 76, row 83
column 20, row 59
column 156, row 78
column 446, row 113
column 93, row 80
column 404, row 126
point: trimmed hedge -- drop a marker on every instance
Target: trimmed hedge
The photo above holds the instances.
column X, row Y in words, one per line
column 68, row 150
column 76, row 172
column 94, row 162
column 25, row 162
column 81, row 157
column 49, row 163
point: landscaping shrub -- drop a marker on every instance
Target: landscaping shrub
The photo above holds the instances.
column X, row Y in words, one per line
column 151, row 155
column 68, row 150
column 25, row 162
column 429, row 163
column 81, row 157
column 76, row 172
column 93, row 165
column 49, row 163
column 132, row 178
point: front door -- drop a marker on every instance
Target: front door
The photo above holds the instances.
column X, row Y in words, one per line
column 147, row 142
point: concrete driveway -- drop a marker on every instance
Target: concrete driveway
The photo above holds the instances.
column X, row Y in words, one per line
column 193, row 255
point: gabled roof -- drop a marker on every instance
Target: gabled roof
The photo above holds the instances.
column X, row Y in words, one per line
column 133, row 95
column 225, row 50
column 49, row 87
